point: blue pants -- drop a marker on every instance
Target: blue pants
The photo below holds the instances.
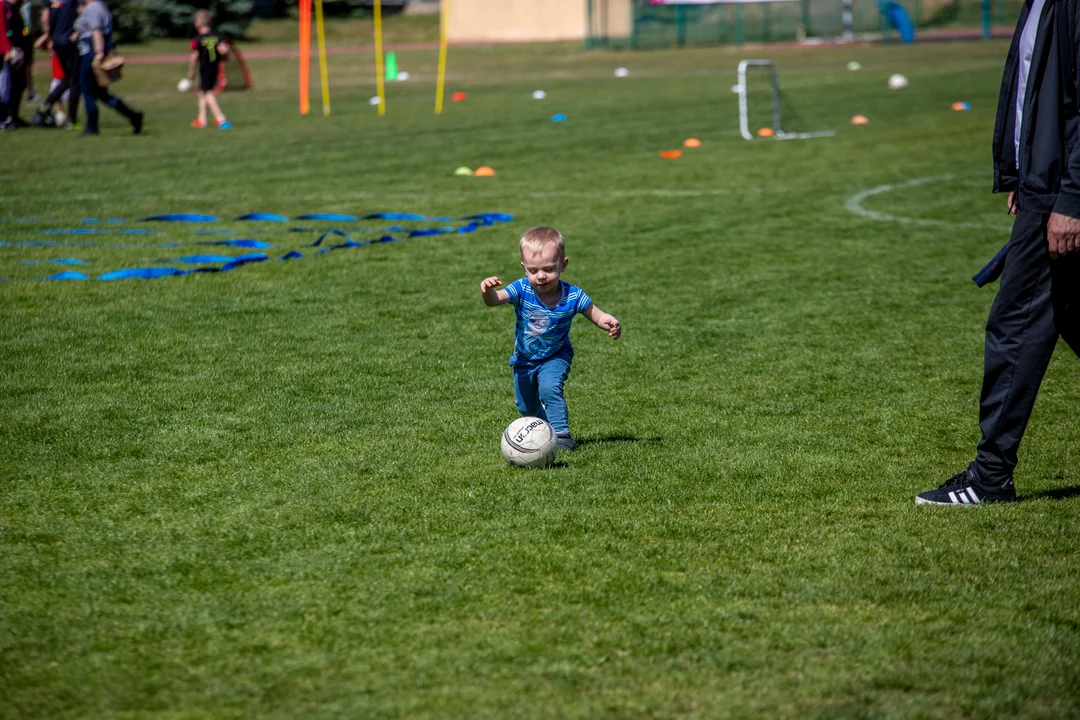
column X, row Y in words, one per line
column 92, row 92
column 5, row 91
column 538, row 391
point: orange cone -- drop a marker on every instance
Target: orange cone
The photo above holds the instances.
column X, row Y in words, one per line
column 691, row 143
column 670, row 154
column 484, row 171
column 860, row 120
column 766, row 132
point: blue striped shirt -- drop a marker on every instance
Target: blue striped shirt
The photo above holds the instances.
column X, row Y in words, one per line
column 543, row 330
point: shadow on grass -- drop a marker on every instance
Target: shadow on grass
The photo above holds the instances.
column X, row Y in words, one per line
column 1055, row 494
column 617, row 439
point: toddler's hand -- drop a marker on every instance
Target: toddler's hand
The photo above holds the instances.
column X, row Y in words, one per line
column 489, row 284
column 611, row 324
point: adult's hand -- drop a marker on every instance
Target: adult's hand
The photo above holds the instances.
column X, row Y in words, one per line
column 1012, row 206
column 1063, row 235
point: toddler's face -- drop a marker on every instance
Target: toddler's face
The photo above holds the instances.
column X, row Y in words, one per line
column 543, row 268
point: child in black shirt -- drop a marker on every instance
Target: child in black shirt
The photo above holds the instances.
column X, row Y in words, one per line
column 208, row 51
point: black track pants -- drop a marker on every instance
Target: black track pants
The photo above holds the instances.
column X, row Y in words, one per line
column 1038, row 300
column 69, row 59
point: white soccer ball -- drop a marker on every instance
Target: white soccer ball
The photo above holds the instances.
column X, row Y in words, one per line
column 374, row 100
column 61, row 118
column 403, row 76
column 529, row 442
column 854, row 65
column 622, row 72
column 897, row 82
column 184, row 85
column 539, row 94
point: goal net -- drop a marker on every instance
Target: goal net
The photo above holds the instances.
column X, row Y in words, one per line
column 761, row 105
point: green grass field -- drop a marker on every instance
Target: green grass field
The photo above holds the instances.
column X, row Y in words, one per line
column 277, row 492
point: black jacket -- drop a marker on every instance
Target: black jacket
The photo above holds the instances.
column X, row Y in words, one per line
column 1048, row 179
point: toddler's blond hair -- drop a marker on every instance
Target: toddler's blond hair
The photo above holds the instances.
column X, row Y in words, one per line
column 538, row 238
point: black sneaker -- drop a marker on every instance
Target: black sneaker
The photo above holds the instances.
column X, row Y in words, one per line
column 961, row 489
column 565, row 442
column 136, row 122
column 42, row 119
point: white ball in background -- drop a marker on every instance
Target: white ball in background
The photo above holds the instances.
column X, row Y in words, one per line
column 374, row 100
column 854, row 65
column 621, row 72
column 184, row 85
column 539, row 94
column 402, row 76
column 61, row 118
column 529, row 442
column 897, row 82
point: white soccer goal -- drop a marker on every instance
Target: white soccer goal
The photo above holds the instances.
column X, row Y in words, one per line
column 778, row 129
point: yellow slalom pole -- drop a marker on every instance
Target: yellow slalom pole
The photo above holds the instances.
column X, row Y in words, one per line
column 323, row 74
column 379, row 58
column 440, row 85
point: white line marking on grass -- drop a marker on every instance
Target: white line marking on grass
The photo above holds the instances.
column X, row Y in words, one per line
column 854, row 205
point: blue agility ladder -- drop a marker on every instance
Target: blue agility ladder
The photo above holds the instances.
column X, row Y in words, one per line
column 214, row 262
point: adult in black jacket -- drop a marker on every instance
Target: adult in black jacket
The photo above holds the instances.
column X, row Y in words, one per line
column 61, row 29
column 1037, row 162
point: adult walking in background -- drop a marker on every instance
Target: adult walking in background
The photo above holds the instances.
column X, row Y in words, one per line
column 1037, row 162
column 13, row 73
column 58, row 23
column 7, row 56
column 94, row 27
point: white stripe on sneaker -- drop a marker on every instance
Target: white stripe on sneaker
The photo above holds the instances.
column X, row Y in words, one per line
column 952, row 496
column 974, row 497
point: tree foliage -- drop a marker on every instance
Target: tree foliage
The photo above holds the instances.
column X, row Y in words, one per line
column 137, row 20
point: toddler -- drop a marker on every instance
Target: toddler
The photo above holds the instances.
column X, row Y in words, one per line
column 544, row 306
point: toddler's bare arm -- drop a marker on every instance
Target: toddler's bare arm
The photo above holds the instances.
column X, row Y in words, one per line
column 492, row 296
column 602, row 320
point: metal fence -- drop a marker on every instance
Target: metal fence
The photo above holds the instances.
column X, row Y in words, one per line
column 641, row 24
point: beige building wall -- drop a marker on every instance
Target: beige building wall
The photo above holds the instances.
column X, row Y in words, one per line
column 531, row 20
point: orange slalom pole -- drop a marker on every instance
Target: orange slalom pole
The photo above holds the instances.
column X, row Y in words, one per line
column 305, row 56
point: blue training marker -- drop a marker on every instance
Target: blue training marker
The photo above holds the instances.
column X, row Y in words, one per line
column 240, row 242
column 558, row 117
column 200, row 259
column 263, row 217
column 139, row 273
column 328, row 217
column 181, row 217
